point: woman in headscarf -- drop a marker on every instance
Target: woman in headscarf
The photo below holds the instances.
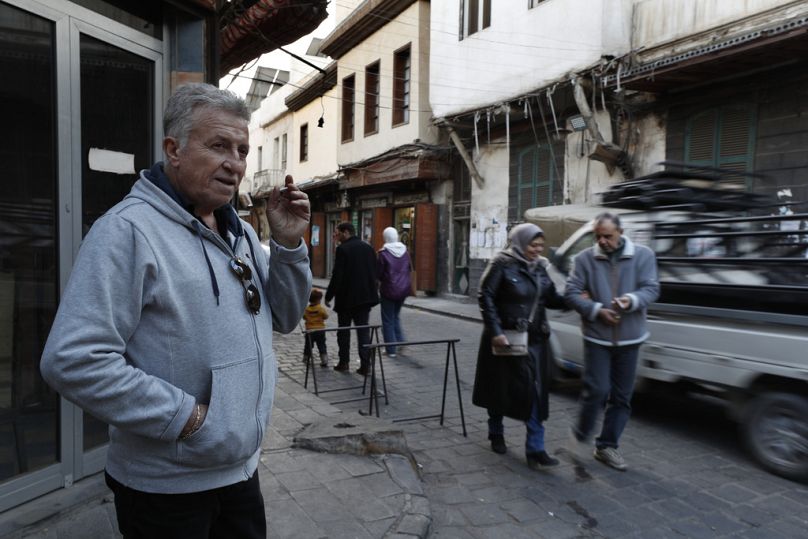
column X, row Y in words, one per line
column 516, row 386
column 393, row 265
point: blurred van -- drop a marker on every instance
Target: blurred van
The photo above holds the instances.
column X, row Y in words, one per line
column 732, row 318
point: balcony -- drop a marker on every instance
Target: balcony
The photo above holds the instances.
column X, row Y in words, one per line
column 264, row 180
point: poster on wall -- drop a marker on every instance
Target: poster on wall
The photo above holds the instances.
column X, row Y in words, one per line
column 315, row 235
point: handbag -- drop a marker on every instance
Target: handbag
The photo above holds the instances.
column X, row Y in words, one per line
column 517, row 346
column 517, row 339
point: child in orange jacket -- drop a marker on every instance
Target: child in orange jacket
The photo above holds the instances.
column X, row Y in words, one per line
column 315, row 316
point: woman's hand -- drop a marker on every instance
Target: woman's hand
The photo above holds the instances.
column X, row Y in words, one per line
column 500, row 340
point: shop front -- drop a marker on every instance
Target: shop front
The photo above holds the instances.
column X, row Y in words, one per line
column 396, row 192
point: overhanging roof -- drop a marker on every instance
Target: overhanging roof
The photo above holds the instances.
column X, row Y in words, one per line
column 366, row 19
column 313, row 88
column 264, row 26
column 777, row 45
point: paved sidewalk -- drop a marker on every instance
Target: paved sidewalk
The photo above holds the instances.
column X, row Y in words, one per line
column 307, row 493
column 461, row 307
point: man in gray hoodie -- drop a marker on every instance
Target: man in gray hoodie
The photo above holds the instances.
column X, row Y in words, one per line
column 611, row 286
column 165, row 328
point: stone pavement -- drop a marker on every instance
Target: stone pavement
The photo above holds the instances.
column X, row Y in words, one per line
column 352, row 491
column 688, row 476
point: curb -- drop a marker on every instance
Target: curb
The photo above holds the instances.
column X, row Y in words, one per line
column 416, row 517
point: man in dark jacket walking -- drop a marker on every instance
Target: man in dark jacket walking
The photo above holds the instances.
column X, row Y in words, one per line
column 353, row 285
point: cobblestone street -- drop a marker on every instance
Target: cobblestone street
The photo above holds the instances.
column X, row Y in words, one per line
column 688, row 475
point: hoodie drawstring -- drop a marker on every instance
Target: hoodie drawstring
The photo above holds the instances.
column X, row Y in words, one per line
column 213, row 283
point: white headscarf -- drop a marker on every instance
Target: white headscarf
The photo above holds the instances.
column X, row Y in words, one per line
column 391, row 243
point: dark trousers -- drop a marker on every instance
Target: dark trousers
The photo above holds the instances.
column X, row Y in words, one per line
column 391, row 323
column 359, row 317
column 318, row 338
column 608, row 380
column 233, row 511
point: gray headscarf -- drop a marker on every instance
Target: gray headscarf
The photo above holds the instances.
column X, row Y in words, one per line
column 520, row 237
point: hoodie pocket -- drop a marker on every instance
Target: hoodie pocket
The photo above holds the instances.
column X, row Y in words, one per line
column 230, row 433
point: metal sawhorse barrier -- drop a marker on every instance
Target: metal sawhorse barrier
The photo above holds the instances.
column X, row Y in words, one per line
column 374, row 337
column 374, row 395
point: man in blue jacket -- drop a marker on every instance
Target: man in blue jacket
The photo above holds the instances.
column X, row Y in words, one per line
column 611, row 286
column 165, row 328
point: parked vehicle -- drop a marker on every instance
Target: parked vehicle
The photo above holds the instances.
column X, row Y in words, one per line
column 732, row 318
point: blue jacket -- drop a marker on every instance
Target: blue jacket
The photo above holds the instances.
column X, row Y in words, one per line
column 633, row 274
column 147, row 327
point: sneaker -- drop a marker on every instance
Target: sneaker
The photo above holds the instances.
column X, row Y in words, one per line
column 498, row 444
column 611, row 457
column 537, row 461
column 392, row 356
column 342, row 366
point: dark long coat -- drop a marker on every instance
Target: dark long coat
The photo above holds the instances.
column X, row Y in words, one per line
column 353, row 279
column 508, row 385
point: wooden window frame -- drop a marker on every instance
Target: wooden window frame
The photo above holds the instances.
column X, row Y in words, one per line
column 402, row 85
column 372, row 89
column 304, row 143
column 348, row 107
column 475, row 16
column 708, row 128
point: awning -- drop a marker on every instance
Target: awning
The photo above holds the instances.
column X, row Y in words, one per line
column 249, row 32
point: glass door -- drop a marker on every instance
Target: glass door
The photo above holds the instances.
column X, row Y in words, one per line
column 115, row 89
column 115, row 84
column 29, row 273
column 79, row 104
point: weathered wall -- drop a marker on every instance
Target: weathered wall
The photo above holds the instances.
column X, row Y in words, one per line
column 522, row 50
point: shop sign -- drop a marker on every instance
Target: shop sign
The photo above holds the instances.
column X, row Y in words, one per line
column 379, row 202
column 410, row 198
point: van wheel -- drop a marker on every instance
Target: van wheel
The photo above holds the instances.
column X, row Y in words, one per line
column 776, row 432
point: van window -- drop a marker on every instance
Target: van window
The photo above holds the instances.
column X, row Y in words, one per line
column 584, row 242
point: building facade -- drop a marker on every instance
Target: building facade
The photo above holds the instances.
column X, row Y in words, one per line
column 389, row 167
column 549, row 102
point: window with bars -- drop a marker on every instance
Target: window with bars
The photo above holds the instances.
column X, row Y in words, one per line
column 722, row 137
column 401, row 86
column 372, row 98
column 475, row 15
column 304, row 142
column 348, row 107
column 535, row 181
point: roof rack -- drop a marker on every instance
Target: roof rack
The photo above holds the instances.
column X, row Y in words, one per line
column 688, row 187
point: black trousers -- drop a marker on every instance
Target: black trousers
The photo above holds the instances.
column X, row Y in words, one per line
column 318, row 338
column 359, row 316
column 234, row 511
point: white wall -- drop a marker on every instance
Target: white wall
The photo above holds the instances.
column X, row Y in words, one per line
column 406, row 28
column 660, row 21
column 523, row 49
column 489, row 205
column 322, row 159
